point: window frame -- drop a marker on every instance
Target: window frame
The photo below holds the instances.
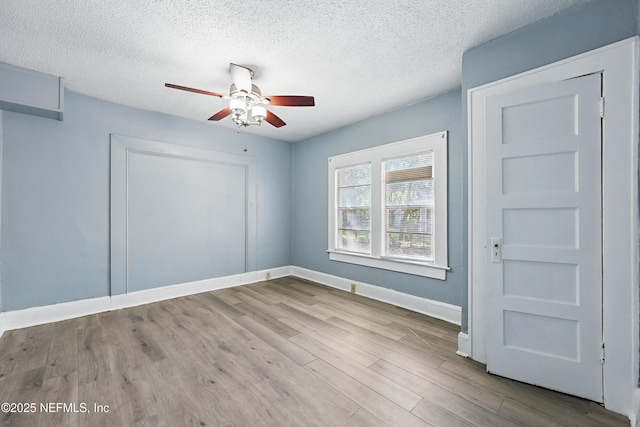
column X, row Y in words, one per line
column 376, row 156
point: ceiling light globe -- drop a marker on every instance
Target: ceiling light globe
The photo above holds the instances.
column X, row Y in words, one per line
column 237, row 106
column 258, row 113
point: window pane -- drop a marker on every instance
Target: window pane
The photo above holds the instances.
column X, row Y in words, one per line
column 354, row 241
column 409, row 207
column 412, row 246
column 352, row 214
column 354, row 219
column 410, row 193
column 354, row 196
column 354, row 175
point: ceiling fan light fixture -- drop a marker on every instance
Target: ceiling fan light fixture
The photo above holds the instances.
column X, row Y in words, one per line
column 241, row 120
column 258, row 113
column 238, row 107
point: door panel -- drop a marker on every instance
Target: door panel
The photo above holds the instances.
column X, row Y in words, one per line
column 544, row 212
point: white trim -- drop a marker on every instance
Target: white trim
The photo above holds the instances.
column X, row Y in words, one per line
column 54, row 313
column 463, row 345
column 147, row 296
column 439, row 310
column 619, row 64
column 69, row 310
column 417, row 269
column 2, row 328
column 121, row 148
column 635, row 413
column 376, row 156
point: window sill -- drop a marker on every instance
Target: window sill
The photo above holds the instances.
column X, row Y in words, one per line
column 415, row 268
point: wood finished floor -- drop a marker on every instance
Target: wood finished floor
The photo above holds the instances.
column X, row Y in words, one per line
column 281, row 353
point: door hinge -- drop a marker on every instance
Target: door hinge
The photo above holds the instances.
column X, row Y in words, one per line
column 602, row 107
column 602, row 353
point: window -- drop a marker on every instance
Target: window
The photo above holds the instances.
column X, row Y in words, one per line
column 387, row 206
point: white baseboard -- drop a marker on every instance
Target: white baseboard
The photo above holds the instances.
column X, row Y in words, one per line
column 54, row 313
column 2, row 328
column 69, row 310
column 463, row 345
column 447, row 312
column 634, row 418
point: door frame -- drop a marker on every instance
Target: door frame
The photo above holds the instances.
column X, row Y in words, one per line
column 620, row 218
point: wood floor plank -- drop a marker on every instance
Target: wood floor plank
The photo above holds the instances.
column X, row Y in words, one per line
column 314, row 310
column 7, row 361
column 12, row 340
column 479, row 396
column 216, row 302
column 355, row 310
column 312, row 288
column 257, row 313
column 385, row 347
column 34, row 348
column 59, row 389
column 372, row 402
column 362, row 418
column 451, row 402
column 524, row 416
column 399, row 395
column 435, row 345
column 92, row 355
column 294, row 403
column 437, row 416
column 294, row 313
column 299, row 295
column 227, row 296
column 408, row 323
column 283, row 345
column 21, row 387
column 62, row 358
column 353, row 352
column 377, row 327
column 260, row 292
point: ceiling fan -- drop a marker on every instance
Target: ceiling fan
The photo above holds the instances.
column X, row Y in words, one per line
column 247, row 105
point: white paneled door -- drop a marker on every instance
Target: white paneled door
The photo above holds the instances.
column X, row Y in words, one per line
column 544, row 212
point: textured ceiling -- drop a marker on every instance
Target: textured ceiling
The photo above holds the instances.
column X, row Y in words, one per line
column 358, row 59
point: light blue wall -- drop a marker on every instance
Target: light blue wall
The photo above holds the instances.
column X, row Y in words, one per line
column 310, row 194
column 567, row 34
column 55, row 195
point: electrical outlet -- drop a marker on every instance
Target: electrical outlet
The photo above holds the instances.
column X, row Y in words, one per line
column 268, row 275
column 353, row 288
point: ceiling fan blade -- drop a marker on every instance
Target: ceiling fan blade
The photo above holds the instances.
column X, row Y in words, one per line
column 274, row 120
column 291, row 100
column 220, row 114
column 241, row 77
column 190, row 89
